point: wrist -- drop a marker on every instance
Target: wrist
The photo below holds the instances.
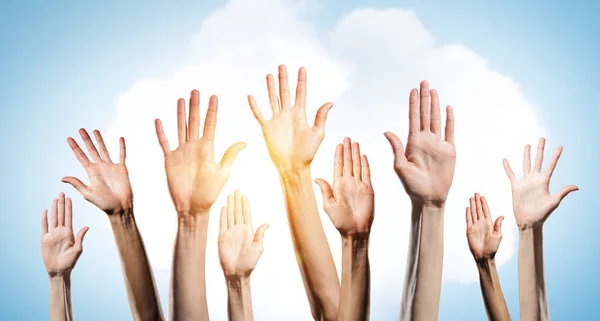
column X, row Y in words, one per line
column 236, row 280
column 192, row 220
column 121, row 217
column 485, row 261
column 59, row 276
column 528, row 226
column 292, row 173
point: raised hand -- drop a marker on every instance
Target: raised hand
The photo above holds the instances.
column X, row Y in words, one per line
column 239, row 246
column 194, row 178
column 60, row 248
column 109, row 187
column 292, row 143
column 532, row 201
column 350, row 203
column 426, row 167
column 483, row 234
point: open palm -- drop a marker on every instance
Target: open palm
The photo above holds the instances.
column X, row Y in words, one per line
column 194, row 178
column 350, row 203
column 60, row 249
column 291, row 142
column 109, row 188
column 426, row 167
column 532, row 201
column 483, row 235
column 239, row 247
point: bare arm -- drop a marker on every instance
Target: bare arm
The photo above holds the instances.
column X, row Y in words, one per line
column 426, row 169
column 195, row 181
column 60, row 252
column 292, row 145
column 532, row 205
column 484, row 238
column 110, row 191
column 350, row 205
column 239, row 250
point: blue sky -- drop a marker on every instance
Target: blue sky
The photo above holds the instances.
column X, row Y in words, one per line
column 63, row 66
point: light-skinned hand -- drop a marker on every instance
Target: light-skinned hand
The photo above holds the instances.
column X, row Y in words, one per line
column 483, row 234
column 350, row 203
column 109, row 187
column 292, row 143
column 60, row 249
column 426, row 166
column 239, row 246
column 194, row 178
column 532, row 201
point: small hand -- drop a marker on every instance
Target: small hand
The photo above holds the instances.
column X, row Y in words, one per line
column 60, row 249
column 239, row 247
column 484, row 236
column 194, row 178
column 291, row 142
column 426, row 167
column 532, row 201
column 109, row 187
column 350, row 204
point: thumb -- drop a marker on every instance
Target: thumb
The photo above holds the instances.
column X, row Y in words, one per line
column 260, row 235
column 230, row 155
column 80, row 236
column 564, row 192
column 325, row 189
column 321, row 117
column 397, row 146
column 76, row 183
column 498, row 225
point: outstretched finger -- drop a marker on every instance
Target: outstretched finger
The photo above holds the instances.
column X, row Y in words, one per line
column 61, row 209
column 413, row 112
column 468, row 217
column 486, row 208
column 347, row 157
column 162, row 139
column 553, row 161
column 480, row 212
column 366, row 170
column 246, row 212
column 54, row 217
column 436, row 117
column 69, row 213
column 508, row 170
column 90, row 145
column 539, row 156
column 45, row 222
column 77, row 184
column 255, row 110
column 273, row 100
column 210, row 122
column 102, row 146
column 230, row 211
column 560, row 195
column 194, row 121
column 81, row 156
column 223, row 220
column 449, row 136
column 356, row 161
column 284, row 89
column 425, row 106
column 300, row 100
column 182, row 127
column 473, row 206
column 527, row 160
column 338, row 163
column 123, row 150
column 239, row 217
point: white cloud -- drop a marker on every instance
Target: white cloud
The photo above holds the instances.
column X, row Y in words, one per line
column 367, row 65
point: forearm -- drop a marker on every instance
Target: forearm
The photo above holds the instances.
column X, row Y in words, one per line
column 60, row 298
column 356, row 279
column 532, row 285
column 310, row 244
column 491, row 290
column 139, row 280
column 239, row 299
column 429, row 263
column 188, row 284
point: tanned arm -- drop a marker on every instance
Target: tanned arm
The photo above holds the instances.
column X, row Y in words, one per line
column 292, row 145
column 110, row 191
column 195, row 181
column 60, row 251
column 426, row 169
column 350, row 206
column 532, row 205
